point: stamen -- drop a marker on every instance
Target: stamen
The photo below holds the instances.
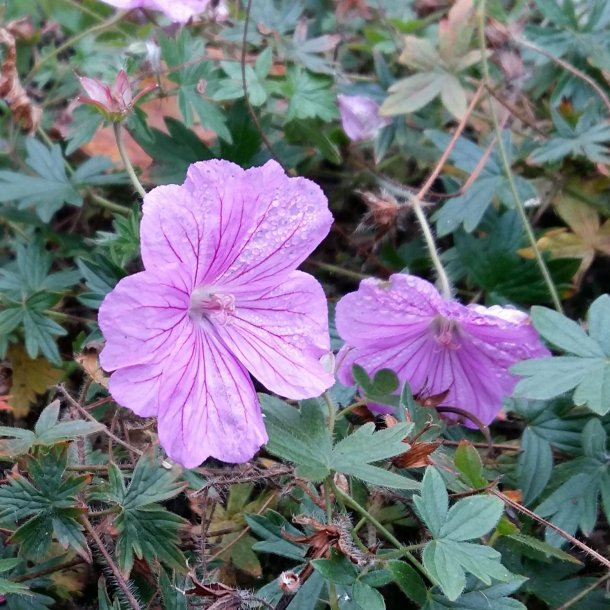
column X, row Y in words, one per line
column 216, row 306
column 446, row 333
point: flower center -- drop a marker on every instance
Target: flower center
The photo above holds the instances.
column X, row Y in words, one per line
column 207, row 303
column 446, row 332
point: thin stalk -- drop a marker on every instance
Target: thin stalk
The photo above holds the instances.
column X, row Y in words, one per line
column 443, row 278
column 118, row 135
column 331, row 411
column 109, row 205
column 582, row 594
column 332, row 589
column 349, row 501
column 508, row 171
column 113, row 567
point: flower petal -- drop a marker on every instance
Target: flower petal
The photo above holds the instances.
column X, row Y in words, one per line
column 380, row 311
column 141, row 318
column 208, row 406
column 233, row 227
column 97, row 91
column 280, row 334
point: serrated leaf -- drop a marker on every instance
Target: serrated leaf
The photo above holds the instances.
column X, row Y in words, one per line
column 353, row 455
column 300, row 437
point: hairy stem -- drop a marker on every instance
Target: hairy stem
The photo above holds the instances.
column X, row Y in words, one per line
column 118, row 135
column 508, row 170
column 133, row 602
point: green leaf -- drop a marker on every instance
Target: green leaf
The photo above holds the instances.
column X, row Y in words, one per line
column 447, row 561
column 337, row 569
column 534, row 465
column 408, row 580
column 468, row 462
column 367, row 597
column 309, row 96
column 479, row 596
column 564, row 333
column 353, row 454
column 599, row 322
column 412, row 93
column 145, row 529
column 588, row 372
column 48, row 189
column 542, row 547
column 49, row 499
column 301, row 437
column 433, row 503
column 47, row 431
column 270, row 527
column 472, row 518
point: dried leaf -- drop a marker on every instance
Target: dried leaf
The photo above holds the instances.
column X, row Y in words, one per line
column 21, row 106
column 30, row 378
column 89, row 361
column 587, row 238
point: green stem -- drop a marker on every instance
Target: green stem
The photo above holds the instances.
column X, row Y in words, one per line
column 443, row 279
column 118, row 134
column 349, row 501
column 94, row 29
column 507, row 168
column 332, row 589
column 404, row 550
column 109, row 205
column 354, row 275
column 331, row 411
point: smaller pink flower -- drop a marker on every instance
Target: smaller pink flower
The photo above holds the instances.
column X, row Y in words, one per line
column 178, row 11
column 360, row 117
column 434, row 344
column 113, row 101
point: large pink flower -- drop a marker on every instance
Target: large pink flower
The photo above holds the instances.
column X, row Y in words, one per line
column 220, row 297
column 179, row 11
column 434, row 344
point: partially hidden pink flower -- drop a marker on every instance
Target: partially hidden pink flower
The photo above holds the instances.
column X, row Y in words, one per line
column 220, row 298
column 178, row 11
column 360, row 117
column 434, row 344
column 113, row 101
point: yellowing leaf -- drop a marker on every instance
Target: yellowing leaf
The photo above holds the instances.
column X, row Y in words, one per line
column 30, row 378
column 587, row 237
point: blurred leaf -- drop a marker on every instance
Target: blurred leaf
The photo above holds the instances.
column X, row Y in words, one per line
column 586, row 238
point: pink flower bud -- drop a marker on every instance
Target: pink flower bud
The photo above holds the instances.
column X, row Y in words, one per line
column 115, row 101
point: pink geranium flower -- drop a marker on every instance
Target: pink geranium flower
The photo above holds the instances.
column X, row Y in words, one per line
column 179, row 11
column 113, row 101
column 220, row 297
column 360, row 117
column 434, row 344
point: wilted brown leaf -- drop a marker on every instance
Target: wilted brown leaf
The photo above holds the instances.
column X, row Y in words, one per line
column 30, row 378
column 24, row 111
column 89, row 361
